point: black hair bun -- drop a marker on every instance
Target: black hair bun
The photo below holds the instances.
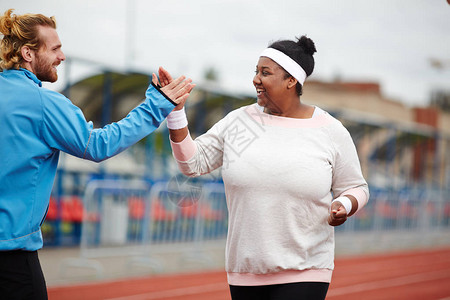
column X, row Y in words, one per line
column 306, row 44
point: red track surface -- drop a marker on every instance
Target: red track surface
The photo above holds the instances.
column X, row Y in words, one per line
column 400, row 276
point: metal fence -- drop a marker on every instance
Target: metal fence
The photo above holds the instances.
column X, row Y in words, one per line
column 132, row 219
column 410, row 209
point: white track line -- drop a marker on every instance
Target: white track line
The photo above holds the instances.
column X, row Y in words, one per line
column 194, row 290
column 376, row 285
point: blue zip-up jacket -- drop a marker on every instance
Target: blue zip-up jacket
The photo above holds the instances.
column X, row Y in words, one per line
column 35, row 125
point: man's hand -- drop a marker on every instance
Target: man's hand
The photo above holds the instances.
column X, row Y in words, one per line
column 166, row 80
column 338, row 214
column 177, row 90
column 164, row 76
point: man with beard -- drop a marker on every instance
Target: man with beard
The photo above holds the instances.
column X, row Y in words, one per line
column 35, row 125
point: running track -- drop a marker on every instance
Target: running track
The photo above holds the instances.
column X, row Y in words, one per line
column 407, row 275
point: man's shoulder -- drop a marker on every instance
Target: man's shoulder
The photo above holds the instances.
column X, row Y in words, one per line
column 51, row 93
column 53, row 100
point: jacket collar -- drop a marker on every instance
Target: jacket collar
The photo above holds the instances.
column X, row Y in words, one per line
column 32, row 76
column 29, row 74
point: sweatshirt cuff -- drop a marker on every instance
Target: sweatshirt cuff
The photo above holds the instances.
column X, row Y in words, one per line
column 158, row 87
column 359, row 194
column 184, row 150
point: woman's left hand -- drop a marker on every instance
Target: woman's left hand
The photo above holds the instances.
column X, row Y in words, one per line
column 338, row 214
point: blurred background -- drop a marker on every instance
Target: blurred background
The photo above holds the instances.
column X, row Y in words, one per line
column 382, row 68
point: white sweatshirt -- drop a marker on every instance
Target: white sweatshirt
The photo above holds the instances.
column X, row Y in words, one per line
column 280, row 176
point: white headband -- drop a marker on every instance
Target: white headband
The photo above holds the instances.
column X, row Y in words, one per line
column 290, row 65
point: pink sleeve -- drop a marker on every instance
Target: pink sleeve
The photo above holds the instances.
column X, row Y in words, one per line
column 359, row 194
column 184, row 150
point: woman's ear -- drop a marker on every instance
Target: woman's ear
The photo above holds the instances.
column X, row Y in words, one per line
column 292, row 82
column 27, row 54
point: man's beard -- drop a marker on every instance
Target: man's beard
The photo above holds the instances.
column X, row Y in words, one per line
column 44, row 70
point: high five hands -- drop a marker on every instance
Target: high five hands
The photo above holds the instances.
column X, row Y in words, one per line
column 177, row 90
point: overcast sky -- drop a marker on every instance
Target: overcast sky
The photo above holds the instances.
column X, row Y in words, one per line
column 386, row 41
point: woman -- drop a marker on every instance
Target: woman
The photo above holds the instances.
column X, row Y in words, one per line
column 282, row 162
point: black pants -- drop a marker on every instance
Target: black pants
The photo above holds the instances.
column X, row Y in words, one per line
column 21, row 276
column 287, row 291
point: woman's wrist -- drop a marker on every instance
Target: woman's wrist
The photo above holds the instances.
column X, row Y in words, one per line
column 177, row 119
column 346, row 202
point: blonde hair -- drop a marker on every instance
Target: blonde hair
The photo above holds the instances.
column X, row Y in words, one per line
column 20, row 31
